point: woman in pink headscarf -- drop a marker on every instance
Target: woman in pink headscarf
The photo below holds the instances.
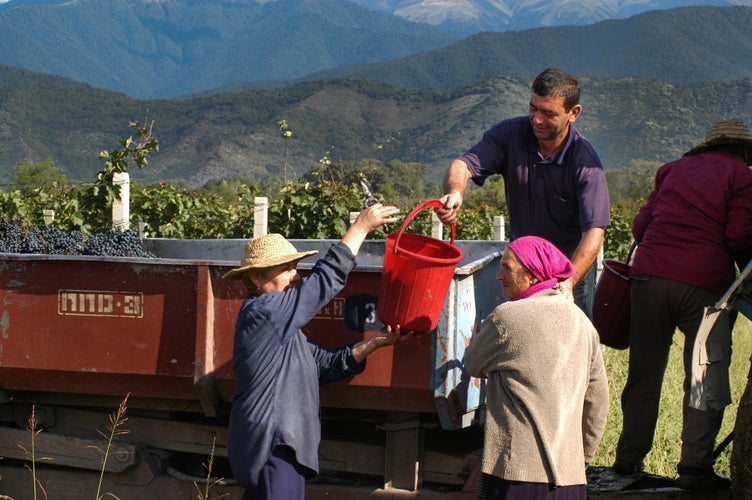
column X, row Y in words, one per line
column 546, row 388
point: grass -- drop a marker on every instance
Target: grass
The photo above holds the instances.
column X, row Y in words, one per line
column 30, row 452
column 664, row 456
column 115, row 428
column 210, row 481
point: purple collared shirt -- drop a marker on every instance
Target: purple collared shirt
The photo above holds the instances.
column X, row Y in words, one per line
column 557, row 198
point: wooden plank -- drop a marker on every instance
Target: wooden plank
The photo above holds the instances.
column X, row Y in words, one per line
column 66, row 451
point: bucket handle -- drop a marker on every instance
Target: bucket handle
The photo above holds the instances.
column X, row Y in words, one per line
column 432, row 203
column 632, row 248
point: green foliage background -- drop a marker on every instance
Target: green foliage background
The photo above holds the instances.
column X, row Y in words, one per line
column 317, row 206
column 314, row 207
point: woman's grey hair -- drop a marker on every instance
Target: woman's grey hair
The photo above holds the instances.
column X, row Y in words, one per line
column 246, row 278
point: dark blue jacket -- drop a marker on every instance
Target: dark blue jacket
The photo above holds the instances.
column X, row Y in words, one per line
column 278, row 370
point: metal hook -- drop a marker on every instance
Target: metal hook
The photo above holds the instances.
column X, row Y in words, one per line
column 365, row 186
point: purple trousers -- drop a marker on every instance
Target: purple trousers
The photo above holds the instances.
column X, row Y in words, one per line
column 280, row 477
column 494, row 488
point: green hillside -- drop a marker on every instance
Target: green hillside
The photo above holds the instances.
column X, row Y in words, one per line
column 213, row 137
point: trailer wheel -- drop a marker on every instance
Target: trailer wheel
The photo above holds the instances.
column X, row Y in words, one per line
column 741, row 455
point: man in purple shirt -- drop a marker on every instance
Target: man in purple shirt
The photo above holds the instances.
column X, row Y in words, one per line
column 696, row 222
column 553, row 179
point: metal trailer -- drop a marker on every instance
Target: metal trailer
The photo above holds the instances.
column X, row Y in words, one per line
column 78, row 334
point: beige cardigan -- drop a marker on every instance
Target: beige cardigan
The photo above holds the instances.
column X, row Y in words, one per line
column 547, row 391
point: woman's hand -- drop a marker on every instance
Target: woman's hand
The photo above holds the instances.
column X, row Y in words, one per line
column 384, row 337
column 376, row 215
column 368, row 220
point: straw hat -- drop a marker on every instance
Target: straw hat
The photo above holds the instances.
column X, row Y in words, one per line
column 725, row 132
column 267, row 251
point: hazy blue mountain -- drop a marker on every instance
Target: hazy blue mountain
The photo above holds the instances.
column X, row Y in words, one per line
column 179, row 48
column 686, row 45
column 168, row 48
column 471, row 16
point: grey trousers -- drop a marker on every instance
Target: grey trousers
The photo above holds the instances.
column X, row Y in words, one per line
column 659, row 307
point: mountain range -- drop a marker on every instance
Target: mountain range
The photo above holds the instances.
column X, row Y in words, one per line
column 687, row 45
column 651, row 85
column 164, row 49
column 170, row 48
column 237, row 134
column 471, row 16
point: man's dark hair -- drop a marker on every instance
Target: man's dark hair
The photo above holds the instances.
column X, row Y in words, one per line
column 557, row 83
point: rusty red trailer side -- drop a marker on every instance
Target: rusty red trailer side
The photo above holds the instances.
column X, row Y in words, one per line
column 79, row 333
column 164, row 330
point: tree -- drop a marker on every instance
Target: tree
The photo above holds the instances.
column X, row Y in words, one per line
column 100, row 196
column 230, row 189
column 404, row 184
column 633, row 182
column 117, row 160
column 34, row 175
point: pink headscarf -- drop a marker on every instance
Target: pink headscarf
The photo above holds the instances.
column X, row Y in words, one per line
column 544, row 260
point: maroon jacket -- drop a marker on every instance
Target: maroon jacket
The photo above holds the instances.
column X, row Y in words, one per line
column 696, row 220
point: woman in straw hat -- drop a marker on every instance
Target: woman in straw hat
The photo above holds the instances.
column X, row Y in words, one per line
column 274, row 429
column 696, row 222
column 547, row 391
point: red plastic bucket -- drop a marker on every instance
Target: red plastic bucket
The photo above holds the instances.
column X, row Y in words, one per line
column 417, row 273
column 612, row 304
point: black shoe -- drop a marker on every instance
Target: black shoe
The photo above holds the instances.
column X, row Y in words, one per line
column 622, row 467
column 711, row 481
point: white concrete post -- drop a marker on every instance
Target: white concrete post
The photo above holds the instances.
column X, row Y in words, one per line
column 121, row 209
column 498, row 228
column 260, row 216
column 437, row 228
column 49, row 217
column 353, row 216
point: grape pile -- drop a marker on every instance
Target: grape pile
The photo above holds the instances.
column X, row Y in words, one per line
column 16, row 237
column 116, row 243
